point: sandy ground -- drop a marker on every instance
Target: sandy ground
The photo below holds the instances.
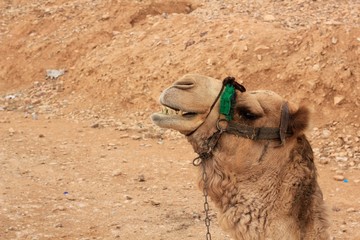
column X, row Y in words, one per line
column 79, row 156
column 66, row 180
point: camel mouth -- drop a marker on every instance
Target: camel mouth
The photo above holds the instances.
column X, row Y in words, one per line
column 177, row 119
column 166, row 110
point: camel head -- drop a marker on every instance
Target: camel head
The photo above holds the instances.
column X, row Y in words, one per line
column 191, row 106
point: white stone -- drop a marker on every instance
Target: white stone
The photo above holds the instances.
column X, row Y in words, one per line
column 339, row 177
column 269, row 18
column 338, row 99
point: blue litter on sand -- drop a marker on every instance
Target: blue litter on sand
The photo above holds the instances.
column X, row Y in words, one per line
column 346, row 181
column 66, row 193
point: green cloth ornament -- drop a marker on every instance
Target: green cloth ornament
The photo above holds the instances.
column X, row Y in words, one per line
column 226, row 100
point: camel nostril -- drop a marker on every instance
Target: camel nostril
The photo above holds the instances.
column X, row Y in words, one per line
column 184, row 84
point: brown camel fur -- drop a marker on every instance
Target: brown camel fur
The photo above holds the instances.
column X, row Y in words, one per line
column 262, row 189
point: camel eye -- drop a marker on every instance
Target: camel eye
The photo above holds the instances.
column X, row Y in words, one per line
column 245, row 113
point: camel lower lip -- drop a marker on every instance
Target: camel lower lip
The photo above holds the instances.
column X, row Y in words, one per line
column 182, row 123
column 186, row 116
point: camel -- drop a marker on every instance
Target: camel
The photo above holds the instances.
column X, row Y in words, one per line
column 259, row 165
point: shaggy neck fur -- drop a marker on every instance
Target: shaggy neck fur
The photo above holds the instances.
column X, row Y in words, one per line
column 264, row 200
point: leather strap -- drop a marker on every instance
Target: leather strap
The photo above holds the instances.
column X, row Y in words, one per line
column 284, row 122
column 263, row 133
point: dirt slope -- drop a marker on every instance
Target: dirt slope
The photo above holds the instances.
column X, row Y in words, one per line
column 57, row 134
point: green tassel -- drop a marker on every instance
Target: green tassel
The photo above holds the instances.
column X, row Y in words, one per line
column 226, row 101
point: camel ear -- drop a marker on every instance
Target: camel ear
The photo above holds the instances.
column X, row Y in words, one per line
column 299, row 120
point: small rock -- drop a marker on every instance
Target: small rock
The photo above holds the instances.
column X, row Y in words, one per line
column 59, row 208
column 135, row 137
column 352, row 164
column 34, row 116
column 336, row 209
column 11, row 131
column 95, row 125
column 338, row 99
column 259, row 57
column 155, row 203
column 203, row 33
column 189, row 43
column 325, row 133
column 350, row 210
column 122, row 128
column 324, row 161
column 35, row 101
column 316, row 67
column 334, row 40
column 116, row 173
column 58, row 225
column 341, row 159
column 128, row 197
column 69, row 197
column 339, row 172
column 242, row 37
column 261, row 47
column 269, row 18
column 105, row 17
column 41, row 135
column 245, row 48
column 339, row 177
column 54, row 73
column 141, row 178
column 343, row 228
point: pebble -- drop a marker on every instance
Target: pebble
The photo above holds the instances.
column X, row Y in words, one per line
column 59, row 208
column 11, row 131
column 124, row 136
column 336, row 209
column 339, row 177
column 116, row 173
column 343, row 228
column 326, row 133
column 334, row 40
column 155, row 203
column 269, row 18
column 261, row 47
column 316, row 67
column 339, row 172
column 341, row 159
column 324, row 161
column 34, row 116
column 338, row 99
column 351, row 210
column 58, row 225
column 135, row 137
column 141, row 178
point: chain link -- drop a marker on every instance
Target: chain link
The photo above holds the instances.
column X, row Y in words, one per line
column 206, row 203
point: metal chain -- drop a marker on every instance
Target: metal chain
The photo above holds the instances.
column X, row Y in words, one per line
column 206, row 203
column 201, row 159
